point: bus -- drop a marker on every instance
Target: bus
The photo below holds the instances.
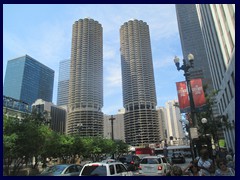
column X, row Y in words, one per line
column 144, row 151
column 167, row 151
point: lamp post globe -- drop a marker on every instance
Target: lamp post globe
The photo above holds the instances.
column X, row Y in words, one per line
column 204, row 120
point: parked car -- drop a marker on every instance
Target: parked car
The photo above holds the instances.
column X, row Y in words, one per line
column 154, row 165
column 62, row 170
column 187, row 154
column 178, row 157
column 130, row 161
column 111, row 168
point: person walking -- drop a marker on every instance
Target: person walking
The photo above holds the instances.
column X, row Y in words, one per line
column 230, row 162
column 205, row 164
column 175, row 171
column 223, row 170
column 192, row 169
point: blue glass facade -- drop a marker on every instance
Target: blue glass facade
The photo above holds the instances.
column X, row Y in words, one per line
column 63, row 82
column 28, row 80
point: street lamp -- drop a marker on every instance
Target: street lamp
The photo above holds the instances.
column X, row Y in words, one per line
column 185, row 67
column 204, row 122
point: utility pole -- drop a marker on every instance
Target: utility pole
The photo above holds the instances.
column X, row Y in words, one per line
column 111, row 119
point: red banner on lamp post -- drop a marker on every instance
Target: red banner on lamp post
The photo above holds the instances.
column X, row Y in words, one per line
column 198, row 94
column 183, row 98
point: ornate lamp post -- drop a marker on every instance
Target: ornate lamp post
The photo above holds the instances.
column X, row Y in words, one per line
column 185, row 67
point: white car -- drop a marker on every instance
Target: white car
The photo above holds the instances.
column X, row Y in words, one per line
column 154, row 165
column 109, row 168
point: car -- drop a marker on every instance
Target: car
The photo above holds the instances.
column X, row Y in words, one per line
column 154, row 165
column 109, row 168
column 62, row 170
column 178, row 157
column 187, row 154
column 166, row 163
column 130, row 161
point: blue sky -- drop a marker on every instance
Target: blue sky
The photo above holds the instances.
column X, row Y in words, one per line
column 44, row 33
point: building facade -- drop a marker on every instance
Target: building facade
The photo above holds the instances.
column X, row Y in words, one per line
column 162, row 123
column 192, row 42
column 15, row 108
column 28, row 80
column 218, row 28
column 86, row 79
column 118, row 126
column 63, row 82
column 54, row 116
column 139, row 96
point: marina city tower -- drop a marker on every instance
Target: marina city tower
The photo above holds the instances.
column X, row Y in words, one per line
column 86, row 79
column 139, row 95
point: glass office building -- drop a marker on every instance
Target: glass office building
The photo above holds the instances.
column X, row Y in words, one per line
column 28, row 80
column 63, row 82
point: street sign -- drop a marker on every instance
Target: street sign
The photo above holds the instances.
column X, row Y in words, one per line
column 194, row 133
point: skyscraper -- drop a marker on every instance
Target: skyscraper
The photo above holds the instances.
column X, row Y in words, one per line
column 139, row 96
column 218, row 27
column 86, row 79
column 175, row 132
column 192, row 42
column 63, row 82
column 28, row 80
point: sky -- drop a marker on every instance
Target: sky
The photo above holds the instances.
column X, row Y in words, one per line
column 44, row 33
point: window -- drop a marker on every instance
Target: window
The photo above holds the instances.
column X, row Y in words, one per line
column 95, row 170
column 123, row 169
column 71, row 169
column 118, row 168
column 111, row 168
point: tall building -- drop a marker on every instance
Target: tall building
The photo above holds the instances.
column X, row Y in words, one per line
column 28, row 80
column 162, row 123
column 218, row 28
column 86, row 79
column 63, row 82
column 139, row 96
column 175, row 133
column 192, row 42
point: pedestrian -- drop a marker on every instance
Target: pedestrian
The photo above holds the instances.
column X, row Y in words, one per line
column 192, row 169
column 230, row 151
column 175, row 171
column 222, row 153
column 230, row 162
column 223, row 170
column 205, row 164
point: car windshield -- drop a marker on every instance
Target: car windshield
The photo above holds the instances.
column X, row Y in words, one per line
column 94, row 171
column 55, row 169
column 150, row 161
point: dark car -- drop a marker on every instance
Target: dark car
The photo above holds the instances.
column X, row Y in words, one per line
column 178, row 157
column 130, row 161
column 62, row 170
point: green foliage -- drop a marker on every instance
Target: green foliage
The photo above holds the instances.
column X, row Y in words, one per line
column 31, row 136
